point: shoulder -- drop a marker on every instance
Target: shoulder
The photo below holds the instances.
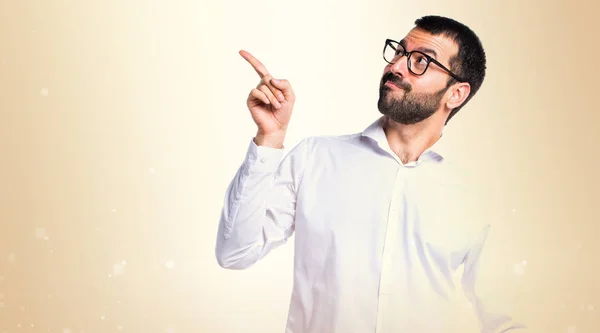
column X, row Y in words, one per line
column 319, row 143
column 309, row 145
column 332, row 140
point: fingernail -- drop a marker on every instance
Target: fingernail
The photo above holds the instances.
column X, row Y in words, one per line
column 280, row 97
column 277, row 105
column 275, row 80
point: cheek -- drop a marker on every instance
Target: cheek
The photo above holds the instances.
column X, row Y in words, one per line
column 428, row 85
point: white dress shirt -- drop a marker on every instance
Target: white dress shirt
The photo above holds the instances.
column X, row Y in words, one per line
column 378, row 243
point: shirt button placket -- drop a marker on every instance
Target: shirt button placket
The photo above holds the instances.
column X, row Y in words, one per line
column 391, row 242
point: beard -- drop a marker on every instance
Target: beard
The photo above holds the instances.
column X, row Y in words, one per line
column 412, row 107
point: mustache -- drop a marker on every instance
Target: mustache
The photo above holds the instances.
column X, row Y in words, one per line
column 391, row 77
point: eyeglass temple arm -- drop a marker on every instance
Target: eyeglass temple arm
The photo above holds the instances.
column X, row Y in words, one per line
column 459, row 79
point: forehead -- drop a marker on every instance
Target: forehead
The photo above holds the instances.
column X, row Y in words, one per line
column 442, row 47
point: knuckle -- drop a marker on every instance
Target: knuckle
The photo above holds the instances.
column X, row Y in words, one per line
column 267, row 79
column 266, row 90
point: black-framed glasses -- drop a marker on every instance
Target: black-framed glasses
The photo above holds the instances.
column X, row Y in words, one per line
column 417, row 61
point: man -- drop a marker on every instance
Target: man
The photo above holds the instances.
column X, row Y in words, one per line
column 382, row 220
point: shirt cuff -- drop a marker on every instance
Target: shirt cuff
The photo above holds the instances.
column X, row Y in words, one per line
column 263, row 159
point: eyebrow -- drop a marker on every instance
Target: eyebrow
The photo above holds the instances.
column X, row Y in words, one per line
column 421, row 49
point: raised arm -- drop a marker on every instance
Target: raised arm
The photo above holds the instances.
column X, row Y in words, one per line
column 259, row 206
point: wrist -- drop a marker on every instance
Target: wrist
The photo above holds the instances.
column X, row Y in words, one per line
column 270, row 140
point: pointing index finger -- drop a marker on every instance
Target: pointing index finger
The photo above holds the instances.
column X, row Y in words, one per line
column 256, row 64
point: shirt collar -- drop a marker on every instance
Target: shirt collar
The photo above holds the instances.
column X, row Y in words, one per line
column 376, row 133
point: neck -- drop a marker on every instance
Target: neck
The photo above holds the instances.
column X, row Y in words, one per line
column 408, row 142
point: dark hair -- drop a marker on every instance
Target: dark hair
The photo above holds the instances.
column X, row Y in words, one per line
column 469, row 63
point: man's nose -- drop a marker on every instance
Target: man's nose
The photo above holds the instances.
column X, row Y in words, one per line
column 400, row 66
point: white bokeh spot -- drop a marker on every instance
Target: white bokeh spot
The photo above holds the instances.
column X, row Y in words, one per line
column 44, row 92
column 519, row 268
column 40, row 233
column 170, row 264
column 118, row 269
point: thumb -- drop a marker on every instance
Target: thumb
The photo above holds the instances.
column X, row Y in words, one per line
column 285, row 88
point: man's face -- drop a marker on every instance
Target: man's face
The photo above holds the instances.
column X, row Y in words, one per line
column 408, row 98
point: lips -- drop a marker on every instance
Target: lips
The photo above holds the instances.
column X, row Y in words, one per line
column 391, row 85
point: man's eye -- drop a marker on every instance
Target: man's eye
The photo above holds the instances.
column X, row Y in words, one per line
column 422, row 60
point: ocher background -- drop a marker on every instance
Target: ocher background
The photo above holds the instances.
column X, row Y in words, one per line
column 122, row 123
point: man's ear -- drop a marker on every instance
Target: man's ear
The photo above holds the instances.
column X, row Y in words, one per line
column 458, row 95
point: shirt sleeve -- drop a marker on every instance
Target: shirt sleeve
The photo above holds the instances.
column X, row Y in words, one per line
column 491, row 275
column 258, row 213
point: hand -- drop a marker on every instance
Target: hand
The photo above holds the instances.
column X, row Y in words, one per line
column 270, row 105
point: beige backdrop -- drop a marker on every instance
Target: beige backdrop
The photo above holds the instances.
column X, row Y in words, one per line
column 122, row 123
